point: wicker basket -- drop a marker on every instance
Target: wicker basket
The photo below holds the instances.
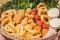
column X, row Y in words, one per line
column 50, row 38
column 54, row 37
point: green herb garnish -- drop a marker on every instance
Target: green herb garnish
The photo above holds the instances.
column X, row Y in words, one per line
column 24, row 4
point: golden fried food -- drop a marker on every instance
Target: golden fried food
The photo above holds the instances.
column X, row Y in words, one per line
column 29, row 10
column 4, row 22
column 24, row 22
column 33, row 24
column 8, row 14
column 18, row 28
column 26, row 18
column 41, row 5
column 42, row 10
column 11, row 24
column 22, row 31
column 29, row 29
column 30, row 20
column 44, row 31
column 27, row 14
column 11, row 14
column 31, row 16
column 8, row 29
column 45, row 18
column 21, row 12
column 4, row 15
column 38, row 28
column 19, row 16
column 28, row 26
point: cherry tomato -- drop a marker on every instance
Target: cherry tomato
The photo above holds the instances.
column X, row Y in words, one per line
column 34, row 13
column 37, row 17
column 39, row 22
column 34, row 10
column 46, row 26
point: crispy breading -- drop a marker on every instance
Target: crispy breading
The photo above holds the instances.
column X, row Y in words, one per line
column 30, row 20
column 19, row 16
column 24, row 22
column 4, row 22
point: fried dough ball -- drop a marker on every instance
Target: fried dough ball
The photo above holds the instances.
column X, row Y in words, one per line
column 19, row 16
column 33, row 24
column 30, row 20
column 24, row 22
column 44, row 31
column 26, row 18
column 38, row 28
column 29, row 10
column 4, row 22
column 31, row 16
column 45, row 18
column 27, row 14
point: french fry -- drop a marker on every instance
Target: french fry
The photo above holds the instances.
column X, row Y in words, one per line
column 8, row 28
column 22, row 31
column 11, row 24
column 31, row 31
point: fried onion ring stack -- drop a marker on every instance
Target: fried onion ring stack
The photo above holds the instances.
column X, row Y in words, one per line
column 42, row 11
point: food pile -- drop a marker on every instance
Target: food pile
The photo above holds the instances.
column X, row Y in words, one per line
column 32, row 22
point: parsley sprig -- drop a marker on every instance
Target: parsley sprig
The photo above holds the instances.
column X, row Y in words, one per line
column 24, row 4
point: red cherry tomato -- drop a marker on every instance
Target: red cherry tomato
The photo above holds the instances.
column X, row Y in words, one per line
column 39, row 22
column 37, row 17
column 34, row 10
column 46, row 26
column 34, row 13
